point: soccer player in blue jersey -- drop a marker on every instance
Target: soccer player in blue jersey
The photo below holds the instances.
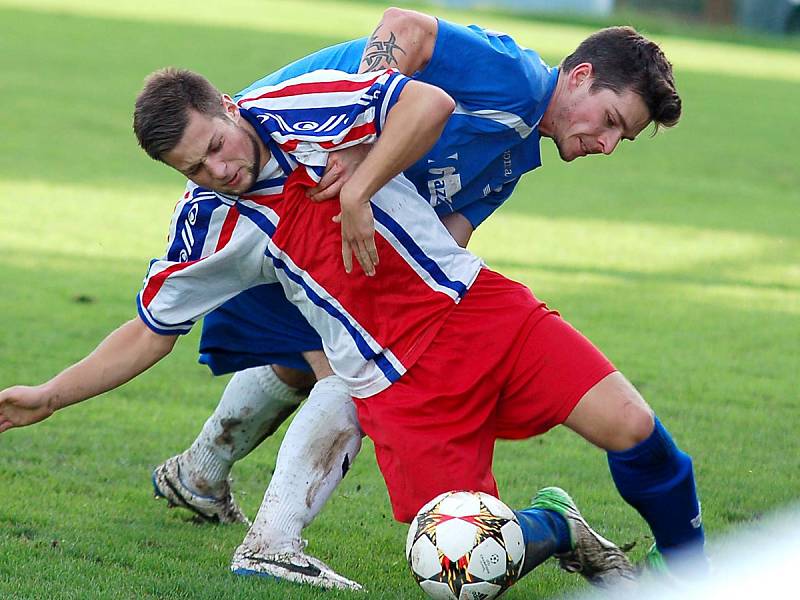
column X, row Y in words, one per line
column 505, row 104
column 611, row 88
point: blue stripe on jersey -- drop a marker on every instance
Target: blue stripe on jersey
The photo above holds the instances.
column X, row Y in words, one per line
column 261, row 221
column 191, row 227
column 270, row 143
column 318, row 171
column 395, row 84
column 276, row 182
column 363, row 347
column 419, row 256
column 161, row 328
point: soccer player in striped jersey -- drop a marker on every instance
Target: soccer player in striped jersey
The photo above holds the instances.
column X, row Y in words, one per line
column 194, row 162
column 502, row 91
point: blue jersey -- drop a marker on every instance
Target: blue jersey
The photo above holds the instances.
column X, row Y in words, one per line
column 501, row 92
column 492, row 137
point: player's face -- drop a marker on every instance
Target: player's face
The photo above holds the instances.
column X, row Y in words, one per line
column 218, row 152
column 595, row 122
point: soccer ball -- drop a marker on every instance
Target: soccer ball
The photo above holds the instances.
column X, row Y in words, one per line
column 465, row 546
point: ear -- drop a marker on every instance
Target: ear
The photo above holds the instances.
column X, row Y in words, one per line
column 581, row 74
column 230, row 107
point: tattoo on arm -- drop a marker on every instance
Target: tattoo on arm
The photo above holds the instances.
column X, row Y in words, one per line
column 380, row 54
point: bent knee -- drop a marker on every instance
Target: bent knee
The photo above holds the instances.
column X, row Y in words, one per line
column 635, row 427
column 295, row 378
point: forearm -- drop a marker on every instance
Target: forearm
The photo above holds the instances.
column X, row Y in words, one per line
column 124, row 354
column 403, row 40
column 412, row 127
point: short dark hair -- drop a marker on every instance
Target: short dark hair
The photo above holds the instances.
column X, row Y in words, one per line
column 624, row 59
column 162, row 108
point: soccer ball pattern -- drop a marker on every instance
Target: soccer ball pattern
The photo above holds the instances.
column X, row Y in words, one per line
column 465, row 546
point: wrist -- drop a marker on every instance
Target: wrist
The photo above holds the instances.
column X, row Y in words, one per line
column 49, row 397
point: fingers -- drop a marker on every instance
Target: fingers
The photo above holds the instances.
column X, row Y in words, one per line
column 347, row 255
column 325, row 192
column 5, row 425
column 367, row 256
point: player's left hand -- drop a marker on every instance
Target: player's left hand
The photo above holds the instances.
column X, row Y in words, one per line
column 358, row 233
column 22, row 405
column 341, row 165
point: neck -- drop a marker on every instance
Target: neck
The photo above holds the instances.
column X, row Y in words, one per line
column 264, row 152
column 547, row 125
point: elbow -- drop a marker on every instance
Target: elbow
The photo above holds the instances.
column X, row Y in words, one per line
column 442, row 106
column 415, row 33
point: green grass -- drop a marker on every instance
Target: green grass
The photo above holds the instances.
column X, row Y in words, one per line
column 679, row 256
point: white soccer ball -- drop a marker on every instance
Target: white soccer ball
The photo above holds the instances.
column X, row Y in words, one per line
column 465, row 546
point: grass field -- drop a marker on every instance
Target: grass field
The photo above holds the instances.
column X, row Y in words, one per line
column 679, row 256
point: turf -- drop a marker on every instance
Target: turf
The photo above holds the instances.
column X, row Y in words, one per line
column 678, row 256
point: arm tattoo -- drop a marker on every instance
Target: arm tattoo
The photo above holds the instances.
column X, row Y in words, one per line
column 378, row 51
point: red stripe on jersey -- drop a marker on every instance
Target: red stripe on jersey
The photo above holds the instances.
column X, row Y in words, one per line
column 156, row 282
column 227, row 228
column 356, row 133
column 321, row 87
column 289, row 146
column 396, row 306
column 263, row 199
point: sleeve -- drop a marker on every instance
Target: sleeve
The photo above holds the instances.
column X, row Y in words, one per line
column 487, row 70
column 477, row 212
column 212, row 255
column 341, row 57
column 325, row 110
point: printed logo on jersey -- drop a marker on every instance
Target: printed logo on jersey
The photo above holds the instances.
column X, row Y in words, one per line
column 507, row 172
column 444, row 182
column 333, row 122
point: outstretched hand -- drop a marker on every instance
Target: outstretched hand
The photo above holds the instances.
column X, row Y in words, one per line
column 23, row 405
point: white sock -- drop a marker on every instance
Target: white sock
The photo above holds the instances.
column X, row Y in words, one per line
column 318, row 449
column 254, row 404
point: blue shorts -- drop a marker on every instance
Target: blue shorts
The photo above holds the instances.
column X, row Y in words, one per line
column 257, row 327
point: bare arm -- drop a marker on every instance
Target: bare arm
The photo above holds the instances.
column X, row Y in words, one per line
column 404, row 41
column 121, row 356
column 412, row 127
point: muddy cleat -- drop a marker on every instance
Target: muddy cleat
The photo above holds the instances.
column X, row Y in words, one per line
column 167, row 484
column 600, row 561
column 293, row 565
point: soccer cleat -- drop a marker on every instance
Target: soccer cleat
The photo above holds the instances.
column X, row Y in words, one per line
column 655, row 563
column 167, row 484
column 598, row 560
column 293, row 565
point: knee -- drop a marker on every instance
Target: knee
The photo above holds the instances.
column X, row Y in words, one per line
column 635, row 426
column 294, row 378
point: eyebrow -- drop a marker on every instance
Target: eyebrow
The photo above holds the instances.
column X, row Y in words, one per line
column 194, row 166
column 624, row 125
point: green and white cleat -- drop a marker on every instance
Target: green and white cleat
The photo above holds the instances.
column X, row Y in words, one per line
column 597, row 559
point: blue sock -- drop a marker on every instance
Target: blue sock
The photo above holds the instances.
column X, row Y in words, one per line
column 656, row 478
column 545, row 533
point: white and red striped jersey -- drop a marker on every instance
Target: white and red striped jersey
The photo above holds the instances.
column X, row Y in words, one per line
column 373, row 328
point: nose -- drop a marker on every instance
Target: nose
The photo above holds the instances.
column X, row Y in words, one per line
column 215, row 167
column 609, row 141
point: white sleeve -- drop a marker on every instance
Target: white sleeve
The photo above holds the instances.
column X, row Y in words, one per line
column 213, row 254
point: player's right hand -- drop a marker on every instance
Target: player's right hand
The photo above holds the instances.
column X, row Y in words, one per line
column 23, row 405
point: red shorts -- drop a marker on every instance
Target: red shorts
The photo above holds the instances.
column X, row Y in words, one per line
column 502, row 366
